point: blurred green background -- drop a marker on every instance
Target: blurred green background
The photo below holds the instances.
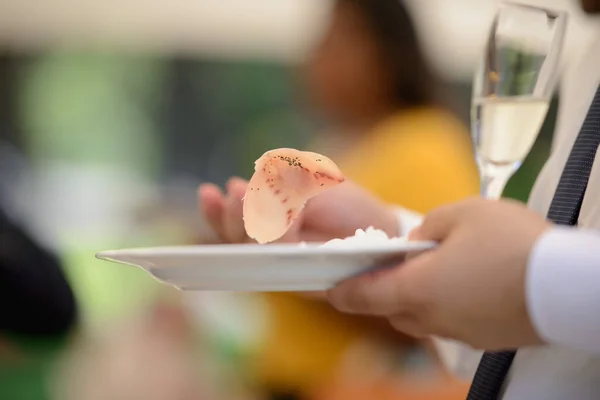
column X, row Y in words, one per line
column 118, row 143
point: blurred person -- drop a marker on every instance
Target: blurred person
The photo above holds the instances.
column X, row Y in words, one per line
column 369, row 78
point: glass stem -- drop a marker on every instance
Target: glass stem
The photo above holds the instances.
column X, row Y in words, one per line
column 494, row 180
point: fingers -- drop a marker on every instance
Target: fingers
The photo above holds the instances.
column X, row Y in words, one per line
column 399, row 290
column 394, row 293
column 438, row 224
column 409, row 324
column 378, row 293
column 318, row 296
column 233, row 216
column 224, row 213
column 211, row 205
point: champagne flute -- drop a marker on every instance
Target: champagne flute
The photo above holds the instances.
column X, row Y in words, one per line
column 512, row 89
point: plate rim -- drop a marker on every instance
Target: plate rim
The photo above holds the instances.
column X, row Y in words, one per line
column 253, row 250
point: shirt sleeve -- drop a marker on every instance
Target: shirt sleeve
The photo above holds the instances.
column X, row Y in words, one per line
column 563, row 288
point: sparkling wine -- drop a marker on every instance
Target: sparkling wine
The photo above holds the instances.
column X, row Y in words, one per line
column 504, row 129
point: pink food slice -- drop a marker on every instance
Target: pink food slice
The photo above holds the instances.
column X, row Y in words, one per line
column 283, row 181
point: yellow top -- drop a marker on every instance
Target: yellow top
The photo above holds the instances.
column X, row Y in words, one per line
column 418, row 159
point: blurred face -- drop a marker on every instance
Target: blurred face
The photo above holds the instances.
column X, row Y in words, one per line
column 590, row 6
column 347, row 78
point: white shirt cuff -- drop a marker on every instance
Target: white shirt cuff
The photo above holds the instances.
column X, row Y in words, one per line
column 563, row 288
column 407, row 220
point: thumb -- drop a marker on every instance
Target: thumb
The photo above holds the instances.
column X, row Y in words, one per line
column 438, row 224
column 233, row 213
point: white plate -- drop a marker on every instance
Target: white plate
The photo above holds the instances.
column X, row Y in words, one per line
column 252, row 267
